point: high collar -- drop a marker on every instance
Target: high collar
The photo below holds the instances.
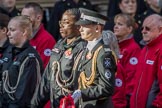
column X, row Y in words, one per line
column 76, row 41
column 156, row 41
column 35, row 32
column 92, row 44
column 130, row 36
column 6, row 44
column 16, row 50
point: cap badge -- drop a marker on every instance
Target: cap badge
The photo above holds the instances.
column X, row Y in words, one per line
column 82, row 16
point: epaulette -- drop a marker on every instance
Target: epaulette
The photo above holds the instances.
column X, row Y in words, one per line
column 31, row 55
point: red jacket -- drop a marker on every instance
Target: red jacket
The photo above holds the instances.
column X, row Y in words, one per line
column 43, row 42
column 119, row 97
column 149, row 70
column 129, row 50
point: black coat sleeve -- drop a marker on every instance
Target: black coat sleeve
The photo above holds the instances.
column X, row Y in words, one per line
column 42, row 93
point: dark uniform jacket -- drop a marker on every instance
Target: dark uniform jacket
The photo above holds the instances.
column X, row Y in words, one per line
column 2, row 10
column 147, row 13
column 49, row 87
column 3, row 52
column 14, row 12
column 20, row 76
column 97, row 77
column 59, row 8
column 113, row 7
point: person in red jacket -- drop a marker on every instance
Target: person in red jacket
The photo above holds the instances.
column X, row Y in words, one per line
column 129, row 49
column 147, row 91
column 41, row 40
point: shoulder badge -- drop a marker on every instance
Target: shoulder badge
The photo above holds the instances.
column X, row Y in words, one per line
column 133, row 61
column 108, row 74
column 107, row 63
column 118, row 82
column 17, row 63
column 56, row 50
column 31, row 55
column 47, row 52
column 5, row 59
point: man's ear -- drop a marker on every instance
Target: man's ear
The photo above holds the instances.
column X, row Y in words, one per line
column 39, row 18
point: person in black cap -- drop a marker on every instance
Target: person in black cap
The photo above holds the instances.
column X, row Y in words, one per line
column 97, row 65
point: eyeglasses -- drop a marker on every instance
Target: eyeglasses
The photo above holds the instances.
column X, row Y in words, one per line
column 148, row 28
column 66, row 23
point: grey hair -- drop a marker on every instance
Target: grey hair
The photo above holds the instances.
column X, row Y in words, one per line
column 110, row 39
